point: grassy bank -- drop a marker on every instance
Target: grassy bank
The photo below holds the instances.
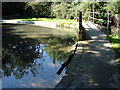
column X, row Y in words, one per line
column 64, row 21
column 115, row 40
column 46, row 19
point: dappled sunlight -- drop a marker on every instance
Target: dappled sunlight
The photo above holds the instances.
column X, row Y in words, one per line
column 95, row 68
column 107, row 45
column 103, row 35
column 94, row 52
column 67, row 49
column 65, row 74
column 94, row 37
column 89, row 80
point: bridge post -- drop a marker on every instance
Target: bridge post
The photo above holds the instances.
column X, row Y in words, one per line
column 108, row 23
column 80, row 31
column 93, row 13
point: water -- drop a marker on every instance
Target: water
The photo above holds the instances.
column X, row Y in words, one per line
column 32, row 55
column 41, row 72
column 0, row 83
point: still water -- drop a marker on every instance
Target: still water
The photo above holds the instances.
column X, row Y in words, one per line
column 32, row 55
column 40, row 72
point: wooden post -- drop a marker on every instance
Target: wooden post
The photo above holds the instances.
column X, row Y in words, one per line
column 88, row 16
column 93, row 13
column 108, row 23
column 118, row 30
column 79, row 13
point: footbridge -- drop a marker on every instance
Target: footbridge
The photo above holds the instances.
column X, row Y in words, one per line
column 93, row 63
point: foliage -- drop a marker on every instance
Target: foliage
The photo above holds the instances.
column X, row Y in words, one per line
column 13, row 9
column 61, row 9
column 113, row 7
column 41, row 9
column 65, row 10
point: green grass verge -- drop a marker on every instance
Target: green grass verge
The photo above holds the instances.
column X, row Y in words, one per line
column 62, row 21
column 115, row 40
column 46, row 19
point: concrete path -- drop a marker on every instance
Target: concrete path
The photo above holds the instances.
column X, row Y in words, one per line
column 93, row 33
column 93, row 64
column 96, row 65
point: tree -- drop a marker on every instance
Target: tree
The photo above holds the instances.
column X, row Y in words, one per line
column 41, row 9
column 113, row 7
column 14, row 9
column 59, row 10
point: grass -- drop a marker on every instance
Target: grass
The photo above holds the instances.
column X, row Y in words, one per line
column 64, row 21
column 56, row 20
column 115, row 40
column 48, row 20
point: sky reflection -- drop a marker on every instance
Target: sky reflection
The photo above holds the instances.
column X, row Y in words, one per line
column 45, row 75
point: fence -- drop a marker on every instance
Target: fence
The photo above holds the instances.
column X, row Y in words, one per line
column 101, row 19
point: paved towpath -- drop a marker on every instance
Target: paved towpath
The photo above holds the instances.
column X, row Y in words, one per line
column 93, row 33
column 92, row 66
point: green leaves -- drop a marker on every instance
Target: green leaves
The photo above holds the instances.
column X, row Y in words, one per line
column 41, row 9
column 61, row 10
column 113, row 7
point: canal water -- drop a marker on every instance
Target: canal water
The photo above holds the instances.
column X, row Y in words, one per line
column 31, row 55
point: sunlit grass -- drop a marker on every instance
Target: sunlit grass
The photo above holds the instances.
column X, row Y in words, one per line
column 56, row 20
column 46, row 19
column 115, row 40
column 61, row 21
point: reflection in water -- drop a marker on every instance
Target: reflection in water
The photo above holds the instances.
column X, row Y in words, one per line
column 27, row 62
column 18, row 58
column 0, row 83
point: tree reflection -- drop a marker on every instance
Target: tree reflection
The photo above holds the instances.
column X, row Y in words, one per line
column 19, row 58
column 54, row 45
column 19, row 54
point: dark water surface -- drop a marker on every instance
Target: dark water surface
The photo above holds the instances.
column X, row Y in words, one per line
column 31, row 55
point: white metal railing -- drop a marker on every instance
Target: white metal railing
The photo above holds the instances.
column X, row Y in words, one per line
column 93, row 17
